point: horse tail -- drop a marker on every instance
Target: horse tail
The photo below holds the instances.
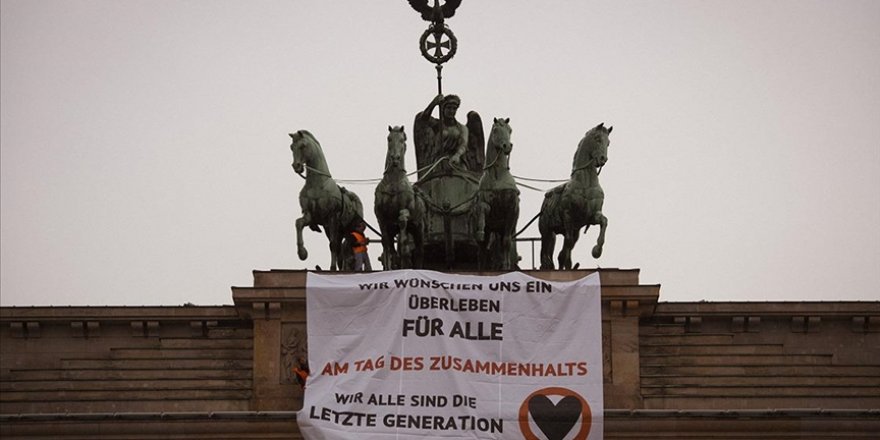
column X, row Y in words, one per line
column 352, row 209
column 510, row 197
column 551, row 214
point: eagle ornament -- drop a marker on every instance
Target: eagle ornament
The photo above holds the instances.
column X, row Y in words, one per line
column 435, row 14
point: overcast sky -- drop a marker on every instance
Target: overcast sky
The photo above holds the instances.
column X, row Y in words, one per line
column 145, row 156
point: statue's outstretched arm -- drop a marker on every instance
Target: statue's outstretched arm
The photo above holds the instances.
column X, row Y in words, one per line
column 430, row 108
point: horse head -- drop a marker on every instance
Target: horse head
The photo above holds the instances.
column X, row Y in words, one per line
column 593, row 148
column 499, row 140
column 306, row 152
column 394, row 159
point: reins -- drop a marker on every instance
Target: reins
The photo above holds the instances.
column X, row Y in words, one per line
column 428, row 169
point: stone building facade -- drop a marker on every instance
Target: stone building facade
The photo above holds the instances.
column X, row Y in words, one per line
column 672, row 370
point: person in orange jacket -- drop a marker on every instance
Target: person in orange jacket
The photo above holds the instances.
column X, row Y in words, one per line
column 301, row 375
column 359, row 248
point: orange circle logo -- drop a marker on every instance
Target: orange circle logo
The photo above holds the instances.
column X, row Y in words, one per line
column 555, row 421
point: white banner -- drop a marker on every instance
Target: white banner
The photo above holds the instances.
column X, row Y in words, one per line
column 420, row 354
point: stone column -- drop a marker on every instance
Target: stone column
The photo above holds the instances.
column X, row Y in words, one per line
column 267, row 364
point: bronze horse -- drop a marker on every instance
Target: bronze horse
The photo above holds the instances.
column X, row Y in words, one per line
column 577, row 202
column 496, row 209
column 399, row 210
column 323, row 202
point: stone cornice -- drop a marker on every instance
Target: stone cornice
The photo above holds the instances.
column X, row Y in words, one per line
column 116, row 313
column 769, row 309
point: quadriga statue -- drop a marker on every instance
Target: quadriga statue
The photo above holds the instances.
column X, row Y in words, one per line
column 496, row 209
column 576, row 203
column 399, row 210
column 323, row 202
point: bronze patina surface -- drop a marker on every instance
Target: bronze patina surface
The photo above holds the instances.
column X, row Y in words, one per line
column 323, row 201
column 576, row 203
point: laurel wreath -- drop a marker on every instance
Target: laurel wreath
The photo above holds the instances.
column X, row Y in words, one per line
column 453, row 45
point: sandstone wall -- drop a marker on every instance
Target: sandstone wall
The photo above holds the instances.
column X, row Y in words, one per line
column 124, row 359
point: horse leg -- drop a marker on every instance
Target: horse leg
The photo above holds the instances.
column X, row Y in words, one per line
column 570, row 239
column 403, row 240
column 301, row 222
column 508, row 236
column 490, row 251
column 418, row 237
column 509, row 239
column 480, row 236
column 480, row 209
column 345, row 256
column 403, row 255
column 603, row 223
column 387, row 245
column 334, row 249
column 334, row 237
column 509, row 248
column 548, row 242
column 503, row 242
